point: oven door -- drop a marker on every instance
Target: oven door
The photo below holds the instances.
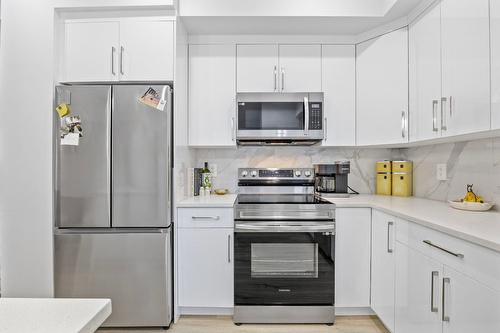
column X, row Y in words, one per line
column 284, row 263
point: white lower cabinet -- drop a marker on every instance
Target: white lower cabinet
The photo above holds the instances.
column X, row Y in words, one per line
column 352, row 258
column 383, row 265
column 205, row 264
column 417, row 291
column 468, row 305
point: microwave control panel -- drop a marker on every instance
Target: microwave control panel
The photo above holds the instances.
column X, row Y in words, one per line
column 315, row 116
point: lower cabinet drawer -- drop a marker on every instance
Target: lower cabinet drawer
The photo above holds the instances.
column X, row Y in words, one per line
column 205, row 217
column 477, row 262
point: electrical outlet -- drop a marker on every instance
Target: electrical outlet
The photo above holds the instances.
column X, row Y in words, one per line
column 213, row 169
column 441, row 172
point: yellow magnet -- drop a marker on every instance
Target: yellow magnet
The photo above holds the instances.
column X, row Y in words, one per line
column 62, row 110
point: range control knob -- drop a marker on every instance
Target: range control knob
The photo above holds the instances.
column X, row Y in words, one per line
column 244, row 173
column 307, row 173
column 253, row 173
column 298, row 173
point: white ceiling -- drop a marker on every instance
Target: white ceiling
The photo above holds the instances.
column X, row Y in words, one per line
column 340, row 17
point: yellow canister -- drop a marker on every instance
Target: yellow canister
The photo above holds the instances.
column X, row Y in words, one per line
column 384, row 183
column 402, row 184
column 384, row 167
column 402, row 166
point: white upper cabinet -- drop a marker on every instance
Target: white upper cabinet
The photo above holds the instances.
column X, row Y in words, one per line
column 465, row 65
column 257, row 68
column 382, row 89
column 212, row 95
column 425, row 75
column 339, row 87
column 383, row 267
column 88, row 58
column 278, row 68
column 300, row 68
column 495, row 63
column 147, row 50
column 131, row 49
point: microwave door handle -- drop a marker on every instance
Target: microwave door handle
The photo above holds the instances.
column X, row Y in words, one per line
column 306, row 115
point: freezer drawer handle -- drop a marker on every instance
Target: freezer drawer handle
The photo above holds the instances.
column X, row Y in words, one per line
column 216, row 218
column 458, row 255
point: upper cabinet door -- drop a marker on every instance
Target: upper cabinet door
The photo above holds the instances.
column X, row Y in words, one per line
column 91, row 51
column 495, row 63
column 425, row 75
column 382, row 89
column 257, row 68
column 339, row 87
column 147, row 50
column 212, row 95
column 300, row 68
column 466, row 70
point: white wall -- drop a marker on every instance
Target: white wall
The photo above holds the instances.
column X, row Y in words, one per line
column 27, row 68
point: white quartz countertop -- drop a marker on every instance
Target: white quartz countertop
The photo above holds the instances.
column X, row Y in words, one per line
column 216, row 201
column 482, row 228
column 50, row 315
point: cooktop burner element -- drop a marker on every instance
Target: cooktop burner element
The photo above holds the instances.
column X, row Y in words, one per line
column 280, row 199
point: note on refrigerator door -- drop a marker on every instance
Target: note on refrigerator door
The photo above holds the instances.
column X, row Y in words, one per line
column 70, row 139
column 153, row 99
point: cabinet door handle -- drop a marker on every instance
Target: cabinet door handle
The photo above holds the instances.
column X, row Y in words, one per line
column 451, row 106
column 443, row 115
column 282, row 78
column 403, row 124
column 434, row 115
column 458, row 255
column 389, row 248
column 113, row 50
column 215, row 218
column 445, row 316
column 232, row 129
column 275, row 78
column 122, row 50
column 434, row 276
column 326, row 129
column 229, row 248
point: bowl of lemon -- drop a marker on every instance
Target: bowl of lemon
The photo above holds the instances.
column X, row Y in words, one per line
column 471, row 202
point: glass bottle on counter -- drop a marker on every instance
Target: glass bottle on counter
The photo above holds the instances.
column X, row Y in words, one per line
column 206, row 179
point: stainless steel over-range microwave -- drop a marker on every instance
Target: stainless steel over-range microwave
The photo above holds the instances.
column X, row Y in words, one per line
column 279, row 118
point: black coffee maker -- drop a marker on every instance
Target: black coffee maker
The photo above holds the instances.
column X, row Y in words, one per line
column 332, row 178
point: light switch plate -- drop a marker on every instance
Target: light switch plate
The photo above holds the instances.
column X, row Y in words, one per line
column 441, row 172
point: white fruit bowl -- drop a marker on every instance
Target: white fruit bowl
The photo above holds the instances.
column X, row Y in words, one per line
column 471, row 206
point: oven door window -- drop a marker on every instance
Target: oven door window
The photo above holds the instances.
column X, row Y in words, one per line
column 275, row 260
column 271, row 116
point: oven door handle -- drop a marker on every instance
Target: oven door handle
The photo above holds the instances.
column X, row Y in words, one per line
column 326, row 227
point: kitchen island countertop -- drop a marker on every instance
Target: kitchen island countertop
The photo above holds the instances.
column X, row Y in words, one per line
column 52, row 315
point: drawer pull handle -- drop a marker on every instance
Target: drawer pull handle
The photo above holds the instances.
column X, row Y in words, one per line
column 216, row 218
column 458, row 255
column 445, row 316
column 434, row 276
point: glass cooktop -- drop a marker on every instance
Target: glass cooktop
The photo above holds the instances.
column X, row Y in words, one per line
column 280, row 199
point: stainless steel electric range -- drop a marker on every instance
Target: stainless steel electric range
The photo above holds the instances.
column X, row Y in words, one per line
column 284, row 249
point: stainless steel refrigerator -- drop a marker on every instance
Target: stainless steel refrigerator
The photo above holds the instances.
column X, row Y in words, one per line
column 113, row 202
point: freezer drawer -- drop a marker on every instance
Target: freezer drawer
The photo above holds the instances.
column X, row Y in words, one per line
column 132, row 269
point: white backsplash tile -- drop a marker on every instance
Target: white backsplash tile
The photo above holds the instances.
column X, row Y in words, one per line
column 473, row 162
column 362, row 177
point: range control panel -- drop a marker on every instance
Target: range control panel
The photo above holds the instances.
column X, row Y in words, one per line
column 315, row 116
column 275, row 173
